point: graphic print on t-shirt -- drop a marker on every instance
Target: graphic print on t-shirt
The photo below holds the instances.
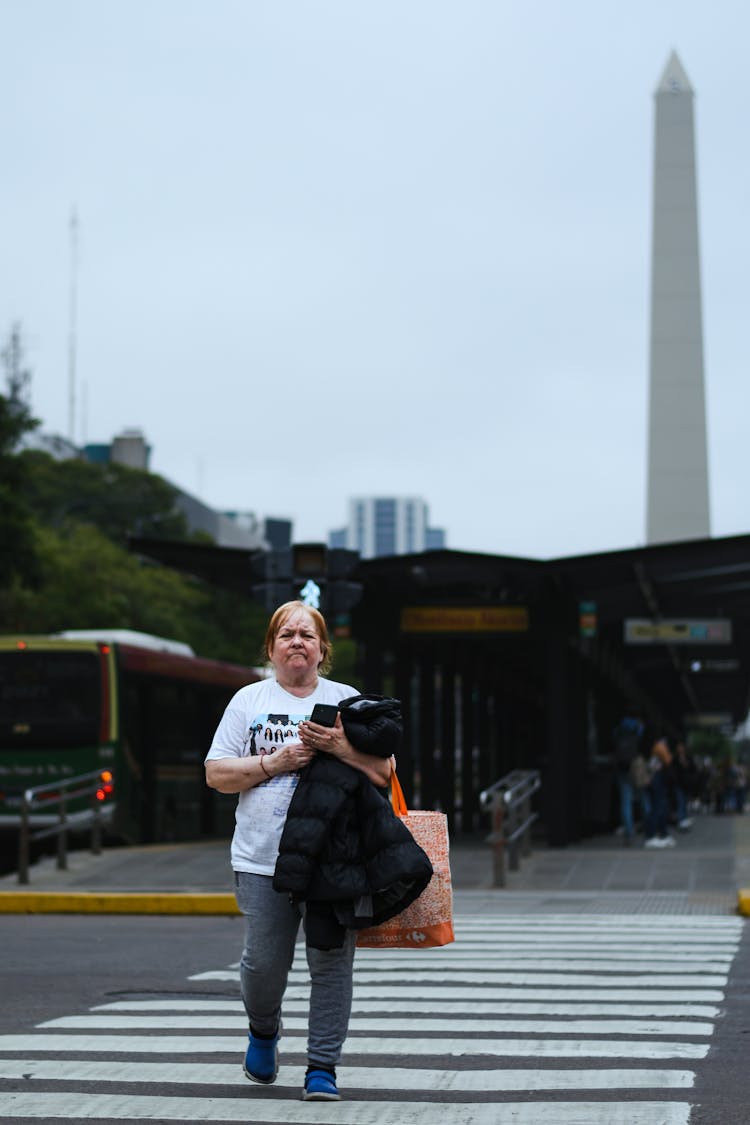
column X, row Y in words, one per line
column 267, row 734
column 271, row 732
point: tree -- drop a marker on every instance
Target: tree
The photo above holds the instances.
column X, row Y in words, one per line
column 63, row 557
column 17, row 557
column 710, row 743
column 88, row 582
column 114, row 498
column 17, row 378
column 85, row 581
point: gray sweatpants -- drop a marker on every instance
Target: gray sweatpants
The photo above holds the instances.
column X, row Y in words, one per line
column 271, row 926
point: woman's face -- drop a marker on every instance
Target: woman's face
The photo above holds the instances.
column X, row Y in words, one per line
column 296, row 651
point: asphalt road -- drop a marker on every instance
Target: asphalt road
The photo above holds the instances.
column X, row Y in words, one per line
column 55, row 967
column 57, row 964
column 723, row 1089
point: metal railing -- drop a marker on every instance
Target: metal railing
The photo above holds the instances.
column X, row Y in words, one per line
column 60, row 793
column 509, row 802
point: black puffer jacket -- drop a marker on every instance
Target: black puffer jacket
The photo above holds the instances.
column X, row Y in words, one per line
column 372, row 723
column 346, row 854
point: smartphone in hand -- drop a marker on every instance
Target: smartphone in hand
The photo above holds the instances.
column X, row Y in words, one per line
column 324, row 714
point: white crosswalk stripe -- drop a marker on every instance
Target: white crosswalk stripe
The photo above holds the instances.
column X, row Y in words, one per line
column 118, row 1107
column 364, row 1078
column 571, row 1014
column 447, row 1045
column 372, row 1023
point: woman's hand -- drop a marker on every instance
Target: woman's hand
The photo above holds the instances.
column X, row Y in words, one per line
column 333, row 741
column 292, row 757
column 236, row 775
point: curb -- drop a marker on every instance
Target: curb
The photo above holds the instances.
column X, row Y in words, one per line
column 160, row 902
column 134, row 902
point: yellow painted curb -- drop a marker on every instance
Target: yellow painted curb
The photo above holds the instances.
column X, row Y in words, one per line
column 135, row 902
column 743, row 901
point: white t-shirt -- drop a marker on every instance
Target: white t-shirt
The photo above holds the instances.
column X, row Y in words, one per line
column 259, row 719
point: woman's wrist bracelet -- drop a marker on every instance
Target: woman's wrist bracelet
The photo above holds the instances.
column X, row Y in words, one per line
column 262, row 766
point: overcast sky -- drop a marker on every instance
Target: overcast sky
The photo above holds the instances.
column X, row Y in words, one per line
column 341, row 248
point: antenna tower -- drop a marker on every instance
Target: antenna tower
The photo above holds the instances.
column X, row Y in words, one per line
column 73, row 309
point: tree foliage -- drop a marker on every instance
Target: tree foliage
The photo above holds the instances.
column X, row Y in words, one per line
column 78, row 573
column 711, row 743
column 17, row 556
column 114, row 498
column 86, row 581
column 64, row 562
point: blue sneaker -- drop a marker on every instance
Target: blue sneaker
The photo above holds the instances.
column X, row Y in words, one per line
column 320, row 1086
column 262, row 1059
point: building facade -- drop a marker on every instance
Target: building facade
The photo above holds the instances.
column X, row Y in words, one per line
column 380, row 526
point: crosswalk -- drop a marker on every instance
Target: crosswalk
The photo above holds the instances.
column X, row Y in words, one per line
column 532, row 1020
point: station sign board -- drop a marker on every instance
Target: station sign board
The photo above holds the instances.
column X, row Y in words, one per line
column 464, row 619
column 678, row 631
column 716, row 720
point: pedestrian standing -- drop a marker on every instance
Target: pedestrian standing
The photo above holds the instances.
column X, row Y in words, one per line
column 660, row 761
column 626, row 745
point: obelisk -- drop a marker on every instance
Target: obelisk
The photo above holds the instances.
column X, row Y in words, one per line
column 677, row 503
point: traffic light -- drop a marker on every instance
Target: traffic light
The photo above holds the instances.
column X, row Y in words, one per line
column 310, row 560
column 272, row 571
column 312, row 572
column 343, row 593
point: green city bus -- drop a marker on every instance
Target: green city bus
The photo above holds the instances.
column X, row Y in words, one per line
column 141, row 707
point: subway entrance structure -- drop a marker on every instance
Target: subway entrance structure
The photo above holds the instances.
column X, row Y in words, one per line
column 509, row 663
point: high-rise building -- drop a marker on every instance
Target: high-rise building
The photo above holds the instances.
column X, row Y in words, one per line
column 387, row 526
column 677, row 502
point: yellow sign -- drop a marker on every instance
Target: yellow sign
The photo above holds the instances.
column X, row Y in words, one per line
column 465, row 619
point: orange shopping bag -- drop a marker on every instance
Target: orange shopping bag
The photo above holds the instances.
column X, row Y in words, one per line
column 428, row 921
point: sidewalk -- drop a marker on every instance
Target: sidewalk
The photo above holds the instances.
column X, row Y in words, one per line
column 706, row 872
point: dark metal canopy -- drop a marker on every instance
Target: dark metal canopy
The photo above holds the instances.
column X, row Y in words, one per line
column 692, row 651
column 693, row 673
column 689, row 582
column 231, row 568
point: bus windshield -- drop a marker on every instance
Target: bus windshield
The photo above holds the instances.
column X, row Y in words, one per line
column 49, row 700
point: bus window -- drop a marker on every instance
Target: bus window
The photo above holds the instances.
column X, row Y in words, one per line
column 178, row 760
column 49, row 700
